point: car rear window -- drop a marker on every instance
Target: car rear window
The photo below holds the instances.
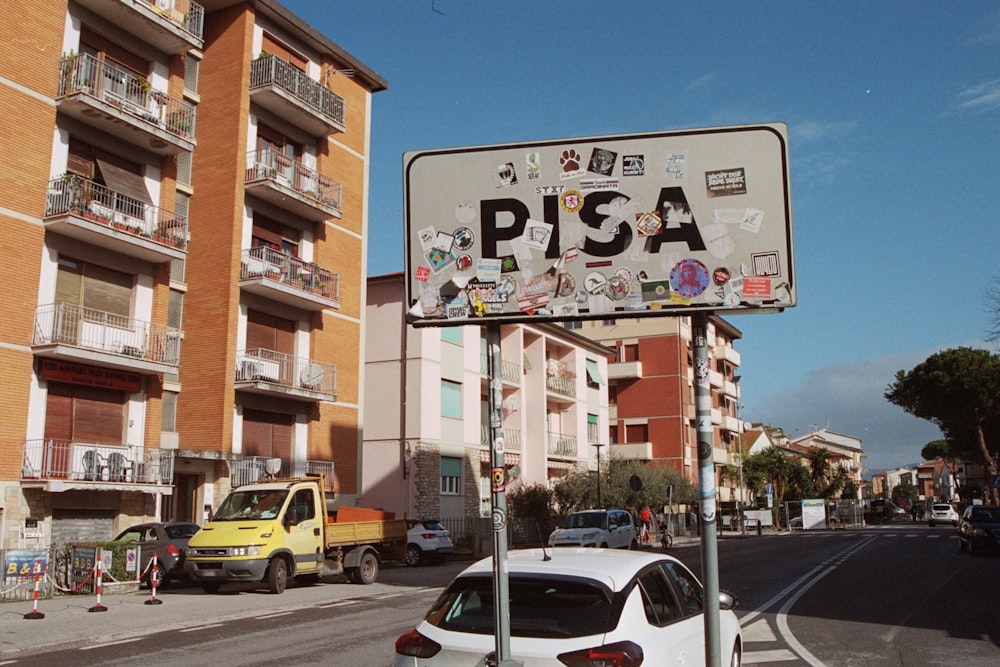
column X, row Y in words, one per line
column 432, row 525
column 544, row 607
column 179, row 532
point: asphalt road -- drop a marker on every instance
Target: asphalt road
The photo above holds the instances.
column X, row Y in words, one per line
column 893, row 595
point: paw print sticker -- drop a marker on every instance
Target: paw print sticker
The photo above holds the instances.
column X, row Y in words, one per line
column 570, row 161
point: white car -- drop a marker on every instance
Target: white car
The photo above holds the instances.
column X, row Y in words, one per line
column 610, row 528
column 942, row 513
column 574, row 607
column 427, row 540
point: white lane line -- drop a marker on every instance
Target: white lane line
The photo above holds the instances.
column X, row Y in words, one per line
column 202, row 627
column 280, row 613
column 120, row 641
column 759, row 631
column 775, row 655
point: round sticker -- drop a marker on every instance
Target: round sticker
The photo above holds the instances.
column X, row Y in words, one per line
column 721, row 275
column 465, row 212
column 617, row 288
column 567, row 284
column 463, row 263
column 595, row 282
column 689, row 278
column 571, row 201
column 464, row 238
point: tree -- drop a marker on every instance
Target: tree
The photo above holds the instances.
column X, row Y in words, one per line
column 789, row 478
column 959, row 391
column 578, row 490
column 533, row 505
column 827, row 480
column 905, row 494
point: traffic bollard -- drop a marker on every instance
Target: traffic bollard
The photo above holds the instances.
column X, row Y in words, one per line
column 153, row 576
column 34, row 614
column 99, row 606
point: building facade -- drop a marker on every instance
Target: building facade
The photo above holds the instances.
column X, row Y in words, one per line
column 186, row 199
column 426, row 438
column 845, row 452
column 651, row 393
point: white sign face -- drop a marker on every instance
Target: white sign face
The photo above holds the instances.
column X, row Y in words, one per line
column 593, row 228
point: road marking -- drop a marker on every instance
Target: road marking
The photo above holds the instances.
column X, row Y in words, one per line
column 120, row 641
column 339, row 603
column 776, row 655
column 280, row 613
column 202, row 627
column 759, row 631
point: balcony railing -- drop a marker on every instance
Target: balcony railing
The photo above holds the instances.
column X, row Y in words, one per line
column 509, row 370
column 324, row 468
column 127, row 92
column 250, row 469
column 49, row 459
column 511, row 437
column 561, row 385
column 281, row 267
column 260, row 365
column 270, row 70
column 69, row 324
column 269, row 164
column 72, row 194
column 562, row 445
column 187, row 15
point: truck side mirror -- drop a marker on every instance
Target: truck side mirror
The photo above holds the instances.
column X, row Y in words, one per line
column 291, row 516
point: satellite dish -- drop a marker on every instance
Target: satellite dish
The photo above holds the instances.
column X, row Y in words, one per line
column 272, row 466
column 312, row 375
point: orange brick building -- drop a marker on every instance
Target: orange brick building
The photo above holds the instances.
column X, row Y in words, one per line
column 184, row 199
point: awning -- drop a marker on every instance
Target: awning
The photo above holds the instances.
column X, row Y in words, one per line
column 593, row 373
column 124, row 182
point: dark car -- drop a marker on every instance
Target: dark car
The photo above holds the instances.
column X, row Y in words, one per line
column 167, row 540
column 979, row 529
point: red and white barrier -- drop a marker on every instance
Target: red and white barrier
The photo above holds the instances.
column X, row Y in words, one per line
column 34, row 614
column 153, row 577
column 99, row 564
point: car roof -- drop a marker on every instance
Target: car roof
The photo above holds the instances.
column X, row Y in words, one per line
column 612, row 567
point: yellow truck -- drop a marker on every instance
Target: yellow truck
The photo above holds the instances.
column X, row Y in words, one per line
column 268, row 531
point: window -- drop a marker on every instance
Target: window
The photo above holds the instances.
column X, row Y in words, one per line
column 96, row 287
column 629, row 352
column 594, row 379
column 636, row 433
column 451, row 399
column 452, row 335
column 657, row 598
column 451, row 476
column 689, row 588
column 169, row 419
column 573, row 324
column 613, row 432
column 593, row 431
column 612, row 394
column 175, row 308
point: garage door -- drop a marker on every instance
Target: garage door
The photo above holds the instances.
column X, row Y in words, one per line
column 82, row 525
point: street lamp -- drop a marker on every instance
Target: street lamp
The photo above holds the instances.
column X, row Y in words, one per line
column 598, row 445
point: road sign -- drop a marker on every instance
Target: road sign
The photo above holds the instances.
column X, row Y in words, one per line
column 631, row 225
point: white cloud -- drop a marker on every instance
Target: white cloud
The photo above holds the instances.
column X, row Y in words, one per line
column 980, row 97
column 812, row 130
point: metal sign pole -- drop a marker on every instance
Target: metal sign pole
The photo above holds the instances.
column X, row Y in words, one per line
column 498, row 498
column 706, row 484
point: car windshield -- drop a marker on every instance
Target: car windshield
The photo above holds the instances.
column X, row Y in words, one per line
column 181, row 531
column 539, row 607
column 986, row 514
column 240, row 505
column 585, row 520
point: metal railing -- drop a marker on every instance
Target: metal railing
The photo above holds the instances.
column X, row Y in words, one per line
column 85, row 198
column 272, row 165
column 189, row 16
column 561, row 385
column 283, row 369
column 509, row 370
column 269, row 70
column 562, row 445
column 324, row 468
column 275, row 265
column 87, row 328
column 511, row 437
column 47, row 458
column 126, row 91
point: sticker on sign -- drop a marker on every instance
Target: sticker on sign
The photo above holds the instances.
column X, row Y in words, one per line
column 641, row 224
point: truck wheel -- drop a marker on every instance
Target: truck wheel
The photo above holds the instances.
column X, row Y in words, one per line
column 367, row 570
column 211, row 587
column 413, row 554
column 277, row 576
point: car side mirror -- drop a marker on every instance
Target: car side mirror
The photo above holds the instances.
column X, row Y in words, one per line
column 291, row 516
column 727, row 600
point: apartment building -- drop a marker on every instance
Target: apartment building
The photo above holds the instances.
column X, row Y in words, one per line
column 845, row 453
column 426, row 439
column 651, row 393
column 184, row 201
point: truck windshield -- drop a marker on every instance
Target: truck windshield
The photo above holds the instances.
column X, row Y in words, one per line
column 251, row 505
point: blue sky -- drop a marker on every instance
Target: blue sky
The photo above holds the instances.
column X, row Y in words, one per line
column 893, row 111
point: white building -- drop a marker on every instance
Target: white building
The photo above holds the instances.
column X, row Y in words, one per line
column 425, row 451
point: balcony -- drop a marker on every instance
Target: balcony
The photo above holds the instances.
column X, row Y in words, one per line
column 71, row 332
column 292, row 186
column 511, row 438
column 273, row 373
column 632, row 451
column 625, row 370
column 728, row 353
column 89, row 212
column 122, row 104
column 61, row 465
column 562, row 385
column 288, row 93
column 731, row 424
column 510, row 371
column 172, row 26
column 279, row 276
column 562, row 445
